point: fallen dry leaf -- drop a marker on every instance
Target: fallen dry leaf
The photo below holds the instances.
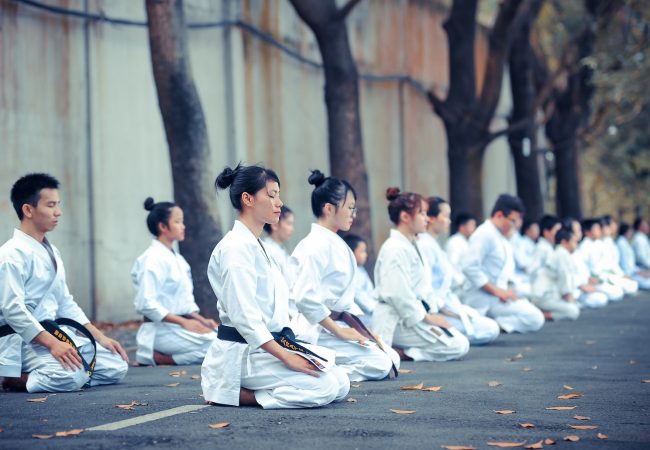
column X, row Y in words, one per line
column 505, row 411
column 535, row 445
column 196, row 377
column 494, row 383
column 572, row 438
column 583, row 427
column 507, row 444
column 417, row 387
column 432, row 389
column 645, row 381
column 594, row 367
column 569, row 396
column 458, row 447
column 548, row 441
column 355, row 385
column 219, row 425
column 42, row 436
column 1, row 430
column 527, row 369
column 351, row 400
column 74, row 432
column 527, row 425
column 178, row 373
column 517, row 357
column 126, row 407
column 405, row 371
column 172, row 384
column 37, row 400
column 568, row 388
column 561, row 408
column 581, row 418
column 601, row 436
column 402, row 411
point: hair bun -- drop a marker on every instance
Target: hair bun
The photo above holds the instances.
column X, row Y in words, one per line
column 149, row 203
column 392, row 193
column 225, row 178
column 316, row 178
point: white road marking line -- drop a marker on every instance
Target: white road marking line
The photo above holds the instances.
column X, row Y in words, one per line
column 146, row 418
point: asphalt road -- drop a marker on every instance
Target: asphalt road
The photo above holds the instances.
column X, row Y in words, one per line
column 604, row 356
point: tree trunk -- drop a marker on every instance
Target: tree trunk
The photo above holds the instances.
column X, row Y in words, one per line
column 327, row 22
column 187, row 138
column 568, row 179
column 524, row 97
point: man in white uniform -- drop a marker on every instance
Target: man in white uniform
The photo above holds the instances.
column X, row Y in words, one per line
column 33, row 289
column 641, row 243
column 627, row 260
column 489, row 265
column 456, row 247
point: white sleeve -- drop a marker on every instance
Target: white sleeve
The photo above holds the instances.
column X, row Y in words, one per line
column 305, row 290
column 12, row 301
column 472, row 263
column 149, row 285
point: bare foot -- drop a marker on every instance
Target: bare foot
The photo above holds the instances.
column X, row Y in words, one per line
column 547, row 316
column 163, row 360
column 15, row 384
column 402, row 356
column 247, row 398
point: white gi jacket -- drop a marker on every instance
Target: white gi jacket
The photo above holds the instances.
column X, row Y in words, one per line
column 543, row 252
column 402, row 282
column 278, row 253
column 524, row 251
column 641, row 246
column 626, row 256
column 31, row 290
column 456, row 247
column 489, row 258
column 556, row 276
column 325, row 270
column 364, row 291
column 163, row 281
column 252, row 297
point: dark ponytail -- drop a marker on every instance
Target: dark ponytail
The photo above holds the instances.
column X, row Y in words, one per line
column 328, row 190
column 249, row 179
column 402, row 201
column 158, row 213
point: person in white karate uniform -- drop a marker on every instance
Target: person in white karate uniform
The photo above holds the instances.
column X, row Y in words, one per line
column 641, row 243
column 591, row 251
column 276, row 235
column 554, row 281
column 524, row 245
column 489, row 265
column 610, row 258
column 626, row 257
column 545, row 248
column 590, row 292
column 365, row 295
column 408, row 316
column 173, row 331
column 325, row 285
column 478, row 328
column 33, row 289
column 247, row 365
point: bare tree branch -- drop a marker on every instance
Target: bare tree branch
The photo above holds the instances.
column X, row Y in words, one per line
column 342, row 13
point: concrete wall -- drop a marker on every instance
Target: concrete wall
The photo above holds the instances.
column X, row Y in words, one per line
column 78, row 100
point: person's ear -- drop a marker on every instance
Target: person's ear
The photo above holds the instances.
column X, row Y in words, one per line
column 162, row 227
column 28, row 210
column 404, row 217
column 247, row 199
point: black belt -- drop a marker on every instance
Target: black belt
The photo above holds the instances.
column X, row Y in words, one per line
column 53, row 327
column 286, row 338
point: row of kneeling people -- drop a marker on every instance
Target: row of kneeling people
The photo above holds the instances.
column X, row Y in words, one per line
column 295, row 330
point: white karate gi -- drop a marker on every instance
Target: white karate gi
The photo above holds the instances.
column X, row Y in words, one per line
column 365, row 296
column 403, row 281
column 628, row 263
column 641, row 246
column 611, row 268
column 596, row 299
column 252, row 297
column 554, row 279
column 277, row 252
column 592, row 253
column 32, row 290
column 325, row 273
column 477, row 328
column 456, row 247
column 163, row 281
column 524, row 251
column 490, row 259
column 520, row 278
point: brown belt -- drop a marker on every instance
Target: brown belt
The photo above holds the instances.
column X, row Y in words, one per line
column 354, row 322
column 146, row 319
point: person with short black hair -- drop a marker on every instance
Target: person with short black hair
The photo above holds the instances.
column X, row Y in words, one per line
column 609, row 260
column 255, row 359
column 277, row 235
column 409, row 313
column 641, row 243
column 34, row 294
column 627, row 260
column 324, row 285
column 489, row 265
column 173, row 332
column 478, row 328
column 365, row 295
column 457, row 245
column 524, row 245
column 549, row 225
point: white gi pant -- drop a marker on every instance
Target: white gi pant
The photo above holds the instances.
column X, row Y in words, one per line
column 361, row 363
column 277, row 387
column 559, row 308
column 591, row 299
column 47, row 375
column 628, row 285
column 421, row 344
column 513, row 316
column 522, row 284
column 614, row 293
column 185, row 347
column 644, row 282
column 483, row 329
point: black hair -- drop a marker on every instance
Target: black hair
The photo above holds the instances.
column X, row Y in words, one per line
column 328, row 190
column 353, row 240
column 588, row 224
column 249, row 179
column 526, row 224
column 623, row 228
column 27, row 190
column 563, row 234
column 409, row 202
column 567, row 222
column 506, row 204
column 462, row 218
column 434, row 205
column 284, row 212
column 547, row 222
column 606, row 220
column 637, row 223
column 158, row 213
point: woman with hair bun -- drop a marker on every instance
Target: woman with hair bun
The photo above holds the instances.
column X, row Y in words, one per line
column 173, row 331
column 255, row 359
column 324, row 286
column 407, row 315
